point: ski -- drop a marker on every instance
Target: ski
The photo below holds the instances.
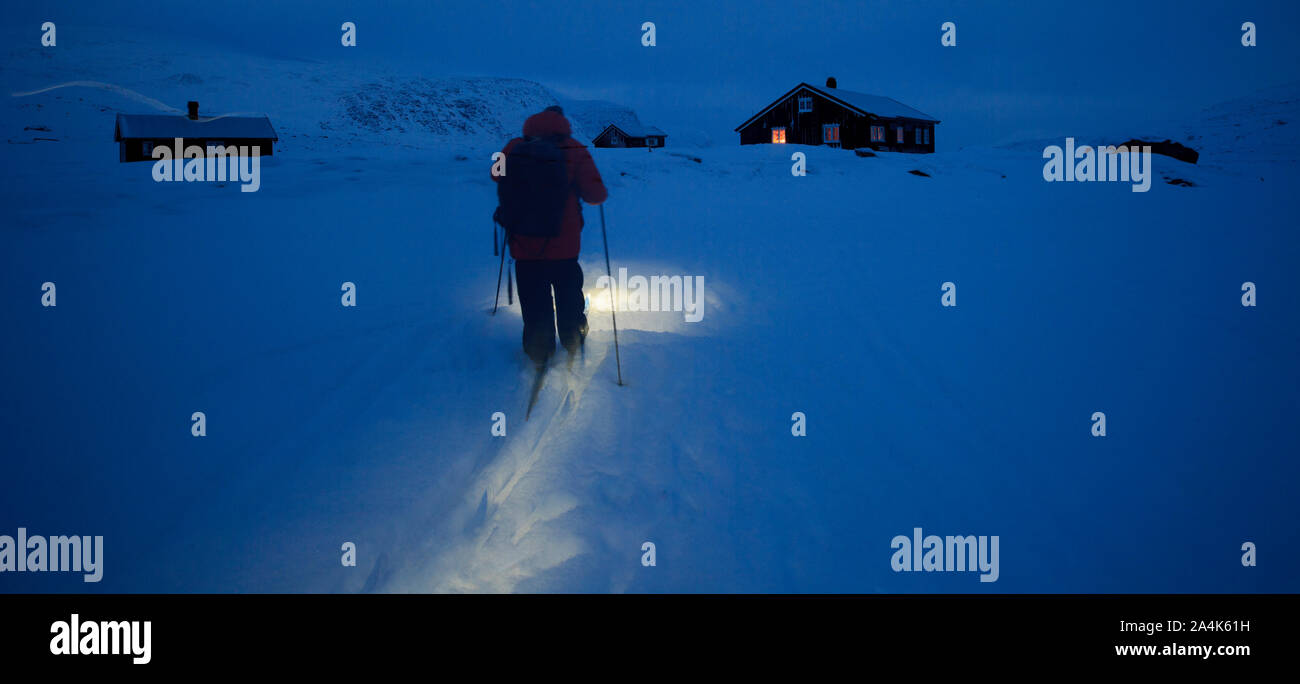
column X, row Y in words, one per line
column 537, row 389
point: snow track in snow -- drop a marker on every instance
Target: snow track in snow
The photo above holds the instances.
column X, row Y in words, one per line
column 508, row 537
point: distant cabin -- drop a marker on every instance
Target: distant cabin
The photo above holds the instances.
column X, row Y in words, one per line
column 807, row 115
column 138, row 134
column 627, row 135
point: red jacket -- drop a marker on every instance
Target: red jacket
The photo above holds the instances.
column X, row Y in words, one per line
column 583, row 178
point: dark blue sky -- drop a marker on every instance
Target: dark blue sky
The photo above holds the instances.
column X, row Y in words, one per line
column 1019, row 68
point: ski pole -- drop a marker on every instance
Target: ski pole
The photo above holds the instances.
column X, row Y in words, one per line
column 500, row 269
column 613, row 317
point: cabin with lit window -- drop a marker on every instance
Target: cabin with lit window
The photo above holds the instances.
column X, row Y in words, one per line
column 629, row 135
column 808, row 115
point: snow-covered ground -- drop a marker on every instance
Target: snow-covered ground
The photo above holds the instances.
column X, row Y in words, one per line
column 371, row 424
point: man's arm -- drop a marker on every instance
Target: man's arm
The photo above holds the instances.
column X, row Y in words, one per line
column 590, row 187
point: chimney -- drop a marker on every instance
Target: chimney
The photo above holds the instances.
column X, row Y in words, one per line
column 830, row 81
column 194, row 110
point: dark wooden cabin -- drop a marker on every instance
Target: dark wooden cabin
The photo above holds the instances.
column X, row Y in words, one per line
column 807, row 115
column 628, row 135
column 138, row 134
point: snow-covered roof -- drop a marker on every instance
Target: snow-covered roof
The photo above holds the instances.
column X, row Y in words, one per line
column 636, row 130
column 886, row 107
column 864, row 103
column 180, row 126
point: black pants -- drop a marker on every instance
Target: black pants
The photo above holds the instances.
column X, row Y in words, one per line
column 542, row 318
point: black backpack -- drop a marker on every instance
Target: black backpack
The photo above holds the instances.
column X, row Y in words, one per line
column 534, row 189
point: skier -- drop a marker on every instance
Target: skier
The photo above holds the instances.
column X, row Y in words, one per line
column 543, row 216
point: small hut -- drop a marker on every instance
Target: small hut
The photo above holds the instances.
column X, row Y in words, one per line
column 138, row 134
column 628, row 135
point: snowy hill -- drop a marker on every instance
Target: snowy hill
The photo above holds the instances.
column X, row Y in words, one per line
column 313, row 105
column 450, row 110
column 454, row 110
column 1256, row 128
column 1261, row 127
column 372, row 424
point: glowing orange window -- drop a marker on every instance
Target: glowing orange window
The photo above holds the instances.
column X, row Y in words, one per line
column 778, row 135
